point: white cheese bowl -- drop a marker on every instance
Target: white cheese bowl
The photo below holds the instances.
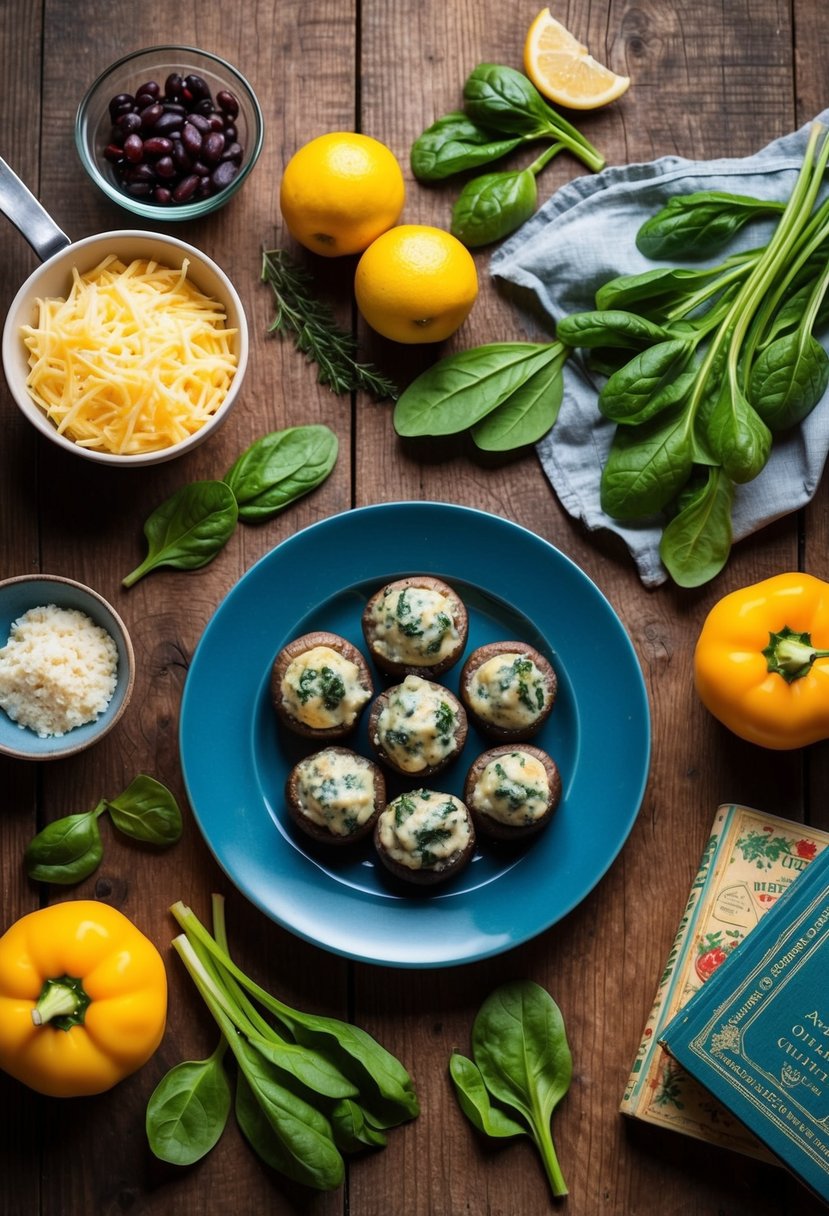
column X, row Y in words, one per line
column 53, row 279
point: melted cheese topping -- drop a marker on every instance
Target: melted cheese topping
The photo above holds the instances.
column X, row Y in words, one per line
column 513, row 789
column 424, row 830
column 417, row 726
column 336, row 791
column 413, row 625
column 508, row 691
column 322, row 689
column 135, row 359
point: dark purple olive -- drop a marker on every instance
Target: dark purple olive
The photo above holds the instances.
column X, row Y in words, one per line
column 120, row 104
column 174, row 144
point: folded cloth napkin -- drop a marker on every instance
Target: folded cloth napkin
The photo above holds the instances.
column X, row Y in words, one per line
column 584, row 235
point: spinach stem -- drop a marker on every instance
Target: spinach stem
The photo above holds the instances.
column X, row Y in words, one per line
column 546, row 156
column 544, row 1141
column 778, row 249
column 573, row 139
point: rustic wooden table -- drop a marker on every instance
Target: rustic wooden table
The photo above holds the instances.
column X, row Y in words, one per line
column 708, row 80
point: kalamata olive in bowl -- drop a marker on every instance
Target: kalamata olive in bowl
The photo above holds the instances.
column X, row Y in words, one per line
column 170, row 132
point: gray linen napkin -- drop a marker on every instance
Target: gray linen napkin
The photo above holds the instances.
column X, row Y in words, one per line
column 584, row 235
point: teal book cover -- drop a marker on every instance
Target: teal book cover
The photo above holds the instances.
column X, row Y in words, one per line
column 757, row 1034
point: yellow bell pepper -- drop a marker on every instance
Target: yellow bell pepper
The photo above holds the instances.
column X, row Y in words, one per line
column 760, row 661
column 83, row 998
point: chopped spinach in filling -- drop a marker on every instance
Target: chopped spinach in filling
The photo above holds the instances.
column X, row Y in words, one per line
column 414, row 625
column 324, row 684
column 425, row 830
column 417, row 727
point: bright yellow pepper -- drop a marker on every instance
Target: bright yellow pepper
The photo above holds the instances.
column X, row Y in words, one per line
column 760, row 663
column 83, row 998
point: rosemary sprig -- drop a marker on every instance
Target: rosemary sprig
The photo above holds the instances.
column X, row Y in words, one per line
column 315, row 332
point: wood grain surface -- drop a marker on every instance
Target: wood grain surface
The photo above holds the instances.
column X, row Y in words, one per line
column 709, row 79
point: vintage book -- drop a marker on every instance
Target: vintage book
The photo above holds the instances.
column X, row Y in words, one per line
column 750, row 859
column 757, row 1033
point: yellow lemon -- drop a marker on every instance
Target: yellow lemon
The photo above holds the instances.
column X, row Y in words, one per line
column 416, row 284
column 340, row 191
column 563, row 70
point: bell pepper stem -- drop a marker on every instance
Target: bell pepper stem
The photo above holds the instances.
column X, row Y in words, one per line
column 62, row 1002
column 791, row 654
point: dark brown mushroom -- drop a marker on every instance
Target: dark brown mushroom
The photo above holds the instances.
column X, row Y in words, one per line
column 497, row 829
column 429, row 870
column 412, row 658
column 492, row 718
column 385, row 746
column 302, row 804
column 288, row 715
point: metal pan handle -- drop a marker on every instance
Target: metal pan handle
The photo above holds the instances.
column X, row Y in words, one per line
column 20, row 206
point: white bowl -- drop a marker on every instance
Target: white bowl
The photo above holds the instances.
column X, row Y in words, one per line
column 18, row 595
column 53, row 279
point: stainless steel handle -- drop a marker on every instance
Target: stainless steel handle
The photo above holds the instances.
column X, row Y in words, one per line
column 36, row 224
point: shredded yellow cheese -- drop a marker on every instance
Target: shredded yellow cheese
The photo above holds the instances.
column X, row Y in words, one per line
column 134, row 360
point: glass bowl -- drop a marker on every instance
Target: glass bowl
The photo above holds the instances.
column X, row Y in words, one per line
column 17, row 596
column 94, row 125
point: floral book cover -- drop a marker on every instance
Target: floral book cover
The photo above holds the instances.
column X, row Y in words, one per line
column 757, row 1033
column 750, row 859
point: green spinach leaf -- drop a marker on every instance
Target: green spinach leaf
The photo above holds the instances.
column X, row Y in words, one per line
column 475, row 1101
column 651, row 382
column 189, row 528
column 647, row 466
column 461, row 389
column 700, row 224
column 527, row 414
column 188, row 1110
column 70, row 848
column 610, row 328
column 490, row 207
column 301, row 1146
column 455, row 143
column 500, row 97
column 788, row 380
column 521, row 1054
column 67, row 850
column 279, row 468
column 696, row 543
column 736, row 434
column 147, row 811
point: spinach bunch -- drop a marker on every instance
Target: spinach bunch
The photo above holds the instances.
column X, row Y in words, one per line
column 502, row 110
column 308, row 1088
column 520, row 1070
column 705, row 366
column 506, row 394
column 195, row 523
column 70, row 848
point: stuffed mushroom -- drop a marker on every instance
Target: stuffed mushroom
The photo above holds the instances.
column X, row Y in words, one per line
column 425, row 837
column 512, row 791
column 508, row 689
column 417, row 728
column 320, row 684
column 415, row 625
column 335, row 795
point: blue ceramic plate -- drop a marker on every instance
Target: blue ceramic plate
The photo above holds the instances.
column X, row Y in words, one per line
column 236, row 758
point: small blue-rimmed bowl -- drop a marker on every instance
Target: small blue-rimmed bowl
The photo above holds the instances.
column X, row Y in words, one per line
column 17, row 596
column 94, row 124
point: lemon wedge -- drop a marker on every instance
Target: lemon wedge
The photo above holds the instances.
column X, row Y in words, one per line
column 563, row 70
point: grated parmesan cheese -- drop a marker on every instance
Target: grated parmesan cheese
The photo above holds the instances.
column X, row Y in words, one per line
column 134, row 360
column 58, row 670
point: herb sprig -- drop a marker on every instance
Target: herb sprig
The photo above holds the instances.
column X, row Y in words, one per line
column 299, row 314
